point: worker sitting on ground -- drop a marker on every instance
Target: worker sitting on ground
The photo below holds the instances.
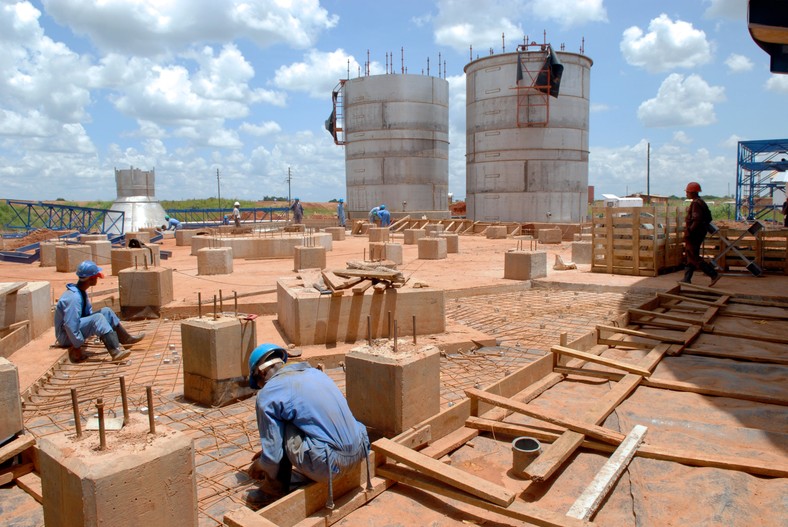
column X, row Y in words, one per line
column 298, row 211
column 75, row 321
column 385, row 216
column 696, row 226
column 305, row 424
column 172, row 223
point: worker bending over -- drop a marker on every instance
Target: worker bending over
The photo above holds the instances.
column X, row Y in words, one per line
column 385, row 216
column 172, row 223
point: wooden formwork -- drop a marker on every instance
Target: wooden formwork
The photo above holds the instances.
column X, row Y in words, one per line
column 640, row 241
column 456, row 226
column 767, row 248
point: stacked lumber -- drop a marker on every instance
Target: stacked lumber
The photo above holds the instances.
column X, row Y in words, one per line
column 360, row 276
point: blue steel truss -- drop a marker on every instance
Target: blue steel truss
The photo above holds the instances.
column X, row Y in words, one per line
column 759, row 162
column 196, row 218
column 31, row 215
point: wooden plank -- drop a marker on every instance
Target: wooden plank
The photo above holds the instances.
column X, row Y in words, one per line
column 449, row 443
column 519, row 510
column 451, row 476
column 588, row 502
column 362, row 287
column 8, row 289
column 363, row 273
column 750, row 336
column 346, row 504
column 725, row 354
column 612, row 363
column 245, row 517
column 603, row 434
column 665, row 316
column 10, row 474
column 416, row 437
column 641, row 334
column 31, row 483
column 16, row 446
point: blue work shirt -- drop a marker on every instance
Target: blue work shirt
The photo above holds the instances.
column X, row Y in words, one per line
column 307, row 398
column 173, row 224
column 71, row 307
column 385, row 217
column 374, row 213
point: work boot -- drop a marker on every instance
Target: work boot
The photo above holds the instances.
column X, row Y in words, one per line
column 126, row 338
column 111, row 342
column 75, row 355
column 688, row 272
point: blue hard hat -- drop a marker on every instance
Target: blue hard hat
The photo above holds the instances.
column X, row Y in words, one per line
column 382, row 207
column 262, row 353
column 296, row 199
column 166, row 216
column 341, row 200
column 88, row 269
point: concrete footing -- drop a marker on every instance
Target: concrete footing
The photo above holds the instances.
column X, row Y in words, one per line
column 583, row 237
column 393, row 252
column 85, row 238
column 391, row 393
column 215, row 356
column 184, row 236
column 379, row 234
column 309, row 258
column 337, row 233
column 143, row 292
column 139, row 479
column 10, row 403
column 263, row 247
column 412, row 236
column 125, row 258
column 25, row 314
column 100, row 251
column 549, row 235
column 215, row 260
column 47, row 257
column 433, row 229
column 496, row 232
column 68, row 257
column 452, row 242
column 525, row 265
column 142, row 236
column 581, row 252
column 432, row 248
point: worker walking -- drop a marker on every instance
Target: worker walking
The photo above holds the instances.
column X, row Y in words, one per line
column 237, row 214
column 75, row 321
column 298, row 211
column 696, row 226
column 307, row 431
column 385, row 216
column 341, row 212
column 172, row 223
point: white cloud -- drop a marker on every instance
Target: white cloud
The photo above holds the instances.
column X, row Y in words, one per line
column 569, row 13
column 152, row 27
column 599, row 107
column 262, row 129
column 456, row 29
column 732, row 142
column 667, row 45
column 457, row 134
column 682, row 101
column 732, row 9
column 681, row 137
column 738, row 63
column 320, row 72
column 777, row 83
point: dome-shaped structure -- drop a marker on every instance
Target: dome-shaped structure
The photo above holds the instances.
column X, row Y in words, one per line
column 137, row 199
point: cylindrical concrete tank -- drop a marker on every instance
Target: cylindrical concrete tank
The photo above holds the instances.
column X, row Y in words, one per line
column 397, row 144
column 526, row 159
column 137, row 199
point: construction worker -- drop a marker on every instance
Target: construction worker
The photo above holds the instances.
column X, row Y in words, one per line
column 385, row 216
column 75, row 321
column 298, row 211
column 237, row 214
column 341, row 212
column 696, row 226
column 307, row 431
column 172, row 223
column 373, row 214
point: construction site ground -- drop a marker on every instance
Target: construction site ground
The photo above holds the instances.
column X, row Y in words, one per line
column 518, row 321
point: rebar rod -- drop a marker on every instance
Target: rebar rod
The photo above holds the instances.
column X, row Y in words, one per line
column 75, row 405
column 124, row 399
column 199, row 304
column 414, row 329
column 151, row 419
column 102, row 434
column 369, row 330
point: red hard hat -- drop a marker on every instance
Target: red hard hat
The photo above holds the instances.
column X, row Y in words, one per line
column 693, row 187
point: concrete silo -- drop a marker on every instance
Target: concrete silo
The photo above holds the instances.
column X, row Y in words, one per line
column 396, row 137
column 527, row 152
column 137, row 199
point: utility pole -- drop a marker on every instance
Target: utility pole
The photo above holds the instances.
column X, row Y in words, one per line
column 289, row 199
column 219, row 189
column 648, row 171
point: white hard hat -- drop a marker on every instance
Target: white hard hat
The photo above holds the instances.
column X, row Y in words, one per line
column 236, row 204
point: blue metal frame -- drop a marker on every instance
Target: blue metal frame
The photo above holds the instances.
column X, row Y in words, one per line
column 196, row 218
column 39, row 215
column 758, row 161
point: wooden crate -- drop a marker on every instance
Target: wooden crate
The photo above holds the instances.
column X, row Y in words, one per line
column 639, row 241
column 769, row 249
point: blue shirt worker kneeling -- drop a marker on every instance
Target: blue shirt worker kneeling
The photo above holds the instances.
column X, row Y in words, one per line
column 385, row 216
column 75, row 320
column 172, row 223
column 306, row 428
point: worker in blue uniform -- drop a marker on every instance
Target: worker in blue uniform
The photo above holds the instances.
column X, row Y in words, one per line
column 374, row 216
column 385, row 216
column 341, row 212
column 307, row 430
column 75, row 320
column 172, row 223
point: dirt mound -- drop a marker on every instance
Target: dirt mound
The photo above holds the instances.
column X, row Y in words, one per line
column 35, row 236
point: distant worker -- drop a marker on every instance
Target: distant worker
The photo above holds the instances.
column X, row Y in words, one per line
column 341, row 212
column 307, row 430
column 385, row 216
column 75, row 321
column 696, row 226
column 298, row 211
column 785, row 213
column 237, row 214
column 172, row 223
column 374, row 216
column 226, row 220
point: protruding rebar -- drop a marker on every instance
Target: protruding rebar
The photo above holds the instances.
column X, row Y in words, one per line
column 151, row 419
column 124, row 400
column 235, row 302
column 215, row 313
column 221, row 302
column 102, row 433
column 369, row 330
column 414, row 329
column 395, row 336
column 75, row 405
column 135, row 263
column 389, row 328
column 199, row 304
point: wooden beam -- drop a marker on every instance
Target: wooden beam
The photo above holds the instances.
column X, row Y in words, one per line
column 603, row 434
column 245, row 517
column 31, row 483
column 10, row 474
column 725, row 354
column 362, row 287
column 665, row 316
column 519, row 510
column 750, row 336
column 641, row 334
column 16, row 446
column 451, row 476
column 449, row 443
column 612, row 363
column 588, row 502
column 346, row 504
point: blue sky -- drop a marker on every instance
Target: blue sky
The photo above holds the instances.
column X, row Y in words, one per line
column 191, row 86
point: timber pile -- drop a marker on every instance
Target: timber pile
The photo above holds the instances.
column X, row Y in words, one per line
column 360, row 276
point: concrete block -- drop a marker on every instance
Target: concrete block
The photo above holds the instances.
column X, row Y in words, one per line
column 84, row 238
column 432, row 248
column 125, row 258
column 496, row 232
column 184, row 236
column 377, row 251
column 68, row 257
column 549, row 235
column 525, row 265
column 379, row 234
column 433, row 229
column 215, row 355
column 47, row 256
column 391, row 393
column 309, row 258
column 393, row 252
column 10, row 403
column 142, row 236
column 307, row 318
column 337, row 233
column 412, row 236
column 581, row 252
column 151, row 287
column 140, row 479
column 452, row 242
column 33, row 303
column 217, row 260
column 100, row 251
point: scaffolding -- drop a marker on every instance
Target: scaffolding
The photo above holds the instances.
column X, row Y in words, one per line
column 335, row 124
column 761, row 171
column 536, row 84
column 31, row 215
